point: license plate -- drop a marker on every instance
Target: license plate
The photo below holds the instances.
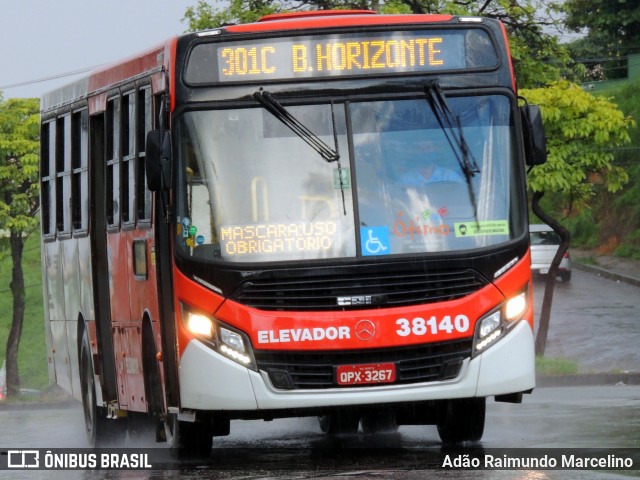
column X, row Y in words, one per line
column 366, row 374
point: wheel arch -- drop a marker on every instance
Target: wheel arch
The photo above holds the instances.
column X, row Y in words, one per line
column 151, row 367
column 85, row 331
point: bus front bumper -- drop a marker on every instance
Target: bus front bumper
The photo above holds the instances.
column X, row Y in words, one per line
column 211, row 382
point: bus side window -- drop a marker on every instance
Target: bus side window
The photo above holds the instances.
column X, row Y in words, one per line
column 113, row 162
column 63, row 174
column 127, row 162
column 80, row 170
column 144, row 116
column 47, row 173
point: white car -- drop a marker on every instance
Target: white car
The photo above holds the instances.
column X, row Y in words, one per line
column 544, row 244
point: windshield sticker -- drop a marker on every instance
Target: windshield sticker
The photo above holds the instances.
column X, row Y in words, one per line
column 278, row 238
column 341, row 179
column 375, row 241
column 185, row 227
column 407, row 227
column 475, row 229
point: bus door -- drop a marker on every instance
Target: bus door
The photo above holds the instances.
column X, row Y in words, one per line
column 127, row 273
column 100, row 264
column 137, row 244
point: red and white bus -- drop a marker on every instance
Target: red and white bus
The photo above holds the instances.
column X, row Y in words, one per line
column 319, row 214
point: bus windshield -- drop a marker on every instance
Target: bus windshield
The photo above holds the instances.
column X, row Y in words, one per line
column 251, row 190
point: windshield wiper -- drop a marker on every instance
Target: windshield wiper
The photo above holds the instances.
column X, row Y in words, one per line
column 452, row 129
column 450, row 125
column 296, row 126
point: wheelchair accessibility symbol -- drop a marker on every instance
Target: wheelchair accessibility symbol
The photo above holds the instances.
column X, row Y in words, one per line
column 374, row 241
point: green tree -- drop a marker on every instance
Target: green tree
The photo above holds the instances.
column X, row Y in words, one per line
column 580, row 128
column 619, row 214
column 204, row 16
column 613, row 32
column 19, row 203
column 600, row 62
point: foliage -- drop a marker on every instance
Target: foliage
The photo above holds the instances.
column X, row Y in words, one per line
column 32, row 357
column 538, row 57
column 600, row 63
column 613, row 25
column 19, row 159
column 585, row 230
column 204, row 16
column 609, row 222
column 630, row 248
column 19, row 202
column 581, row 129
column 555, row 366
column 621, row 212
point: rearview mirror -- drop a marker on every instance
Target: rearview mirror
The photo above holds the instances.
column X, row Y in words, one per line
column 158, row 160
column 535, row 140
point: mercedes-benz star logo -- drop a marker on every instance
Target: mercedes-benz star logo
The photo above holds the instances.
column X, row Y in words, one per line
column 365, row 330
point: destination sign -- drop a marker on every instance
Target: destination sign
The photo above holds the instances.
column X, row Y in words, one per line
column 340, row 55
column 277, row 238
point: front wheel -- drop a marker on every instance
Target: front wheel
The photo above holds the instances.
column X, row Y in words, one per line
column 461, row 420
column 188, row 439
column 383, row 421
column 339, row 423
column 100, row 430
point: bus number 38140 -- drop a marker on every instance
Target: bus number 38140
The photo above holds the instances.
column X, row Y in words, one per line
column 419, row 326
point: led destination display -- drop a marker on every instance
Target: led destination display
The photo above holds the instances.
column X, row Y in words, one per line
column 340, row 55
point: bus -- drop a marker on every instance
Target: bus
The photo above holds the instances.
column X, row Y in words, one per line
column 318, row 214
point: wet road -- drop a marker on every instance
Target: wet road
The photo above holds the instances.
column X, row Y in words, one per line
column 594, row 323
column 567, row 417
column 563, row 417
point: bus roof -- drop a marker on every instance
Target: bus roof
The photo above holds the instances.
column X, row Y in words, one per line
column 104, row 78
column 332, row 18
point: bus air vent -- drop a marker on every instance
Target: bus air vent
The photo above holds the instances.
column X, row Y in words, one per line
column 336, row 291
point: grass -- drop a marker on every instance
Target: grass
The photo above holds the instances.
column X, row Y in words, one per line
column 587, row 260
column 32, row 353
column 546, row 366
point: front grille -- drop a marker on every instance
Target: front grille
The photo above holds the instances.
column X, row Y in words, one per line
column 366, row 290
column 316, row 370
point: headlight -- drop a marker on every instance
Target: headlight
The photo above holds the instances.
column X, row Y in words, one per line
column 199, row 325
column 233, row 339
column 232, row 344
column 222, row 338
column 490, row 324
column 495, row 324
column 516, row 307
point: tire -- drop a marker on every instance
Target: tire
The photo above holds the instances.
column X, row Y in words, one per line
column 188, row 440
column 152, row 378
column 461, row 420
column 565, row 276
column 379, row 422
column 100, row 430
column 339, row 423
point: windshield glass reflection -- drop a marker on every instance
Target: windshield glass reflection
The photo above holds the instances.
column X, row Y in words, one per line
column 251, row 190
